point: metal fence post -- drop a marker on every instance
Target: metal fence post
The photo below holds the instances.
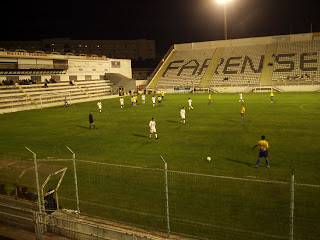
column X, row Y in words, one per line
column 37, row 179
column 37, row 226
column 167, row 195
column 291, row 204
column 75, row 178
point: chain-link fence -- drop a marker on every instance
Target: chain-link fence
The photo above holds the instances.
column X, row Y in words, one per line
column 191, row 205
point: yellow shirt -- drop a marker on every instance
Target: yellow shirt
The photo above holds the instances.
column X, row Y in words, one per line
column 243, row 109
column 159, row 98
column 264, row 145
column 271, row 94
column 132, row 100
column 162, row 94
column 209, row 96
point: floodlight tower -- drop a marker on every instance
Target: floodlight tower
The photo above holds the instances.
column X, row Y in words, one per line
column 225, row 16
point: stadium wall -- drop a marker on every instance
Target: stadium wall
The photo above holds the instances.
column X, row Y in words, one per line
column 23, row 65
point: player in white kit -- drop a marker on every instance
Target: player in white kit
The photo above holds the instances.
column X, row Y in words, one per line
column 121, row 102
column 99, row 104
column 241, row 99
column 143, row 98
column 152, row 126
column 153, row 101
column 190, row 103
column 134, row 100
column 183, row 115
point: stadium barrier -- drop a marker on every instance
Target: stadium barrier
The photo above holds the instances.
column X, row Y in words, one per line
column 170, row 203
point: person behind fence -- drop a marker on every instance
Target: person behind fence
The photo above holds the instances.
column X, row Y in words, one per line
column 50, row 203
column 25, row 194
column 3, row 190
column 16, row 192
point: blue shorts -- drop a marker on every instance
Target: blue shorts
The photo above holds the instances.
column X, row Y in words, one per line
column 263, row 154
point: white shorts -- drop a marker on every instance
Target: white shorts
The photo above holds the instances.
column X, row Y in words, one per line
column 153, row 130
column 183, row 116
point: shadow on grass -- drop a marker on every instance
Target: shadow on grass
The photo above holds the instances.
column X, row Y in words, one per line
column 240, row 162
column 83, row 127
column 139, row 135
column 229, row 120
column 234, row 121
column 171, row 121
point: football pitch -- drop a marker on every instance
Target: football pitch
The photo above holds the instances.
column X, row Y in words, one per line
column 291, row 126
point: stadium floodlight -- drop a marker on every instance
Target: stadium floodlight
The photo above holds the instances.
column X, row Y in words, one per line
column 225, row 16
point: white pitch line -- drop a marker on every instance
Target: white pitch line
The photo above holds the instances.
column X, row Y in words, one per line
column 303, row 105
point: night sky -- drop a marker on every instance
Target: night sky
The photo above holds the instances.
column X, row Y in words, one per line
column 165, row 21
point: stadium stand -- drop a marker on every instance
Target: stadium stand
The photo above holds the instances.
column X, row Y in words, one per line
column 240, row 65
column 38, row 96
column 297, row 62
column 288, row 61
column 186, row 68
column 12, row 96
column 95, row 88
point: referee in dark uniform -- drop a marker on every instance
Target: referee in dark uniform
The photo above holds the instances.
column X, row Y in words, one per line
column 91, row 122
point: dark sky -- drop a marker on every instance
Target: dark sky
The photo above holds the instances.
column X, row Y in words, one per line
column 165, row 21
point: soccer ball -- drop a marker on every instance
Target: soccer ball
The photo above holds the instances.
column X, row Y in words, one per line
column 209, row 159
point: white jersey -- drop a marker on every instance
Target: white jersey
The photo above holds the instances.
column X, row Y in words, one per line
column 240, row 95
column 99, row 105
column 121, row 101
column 134, row 99
column 183, row 113
column 153, row 99
column 152, row 125
column 143, row 97
column 190, row 102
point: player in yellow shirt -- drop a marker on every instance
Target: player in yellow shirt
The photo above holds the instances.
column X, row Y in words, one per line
column 159, row 101
column 271, row 96
column 264, row 150
column 209, row 99
column 132, row 100
column 162, row 95
column 243, row 110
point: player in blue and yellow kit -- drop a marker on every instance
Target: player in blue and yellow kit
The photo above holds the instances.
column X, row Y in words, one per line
column 271, row 96
column 243, row 110
column 264, row 150
column 159, row 101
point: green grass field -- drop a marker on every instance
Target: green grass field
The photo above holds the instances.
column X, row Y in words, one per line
column 291, row 126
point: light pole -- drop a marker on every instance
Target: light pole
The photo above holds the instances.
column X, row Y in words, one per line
column 225, row 17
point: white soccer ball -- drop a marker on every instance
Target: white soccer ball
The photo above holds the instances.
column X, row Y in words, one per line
column 209, row 158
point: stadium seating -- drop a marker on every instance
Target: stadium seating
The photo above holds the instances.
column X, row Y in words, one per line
column 297, row 63
column 247, row 63
column 11, row 97
column 239, row 65
column 95, row 88
column 187, row 69
column 37, row 96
